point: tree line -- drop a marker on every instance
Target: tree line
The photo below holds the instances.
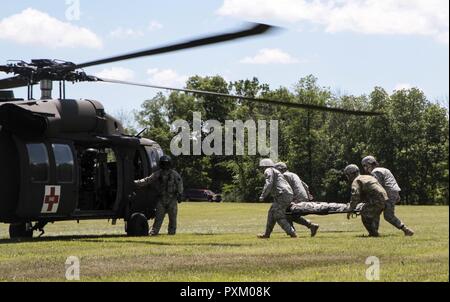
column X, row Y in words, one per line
column 411, row 138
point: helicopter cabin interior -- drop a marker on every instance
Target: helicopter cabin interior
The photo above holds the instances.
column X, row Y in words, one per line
column 98, row 180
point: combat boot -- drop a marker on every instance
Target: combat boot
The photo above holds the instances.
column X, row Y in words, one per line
column 263, row 236
column 407, row 231
column 293, row 235
column 314, row 228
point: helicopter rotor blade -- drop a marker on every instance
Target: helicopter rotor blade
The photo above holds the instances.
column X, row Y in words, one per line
column 14, row 82
column 250, row 99
column 255, row 29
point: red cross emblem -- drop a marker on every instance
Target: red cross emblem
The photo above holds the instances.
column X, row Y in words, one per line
column 51, row 199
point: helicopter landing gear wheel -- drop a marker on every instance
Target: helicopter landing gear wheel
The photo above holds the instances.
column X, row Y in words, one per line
column 137, row 225
column 20, row 230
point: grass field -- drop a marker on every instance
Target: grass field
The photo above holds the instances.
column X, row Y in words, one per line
column 217, row 242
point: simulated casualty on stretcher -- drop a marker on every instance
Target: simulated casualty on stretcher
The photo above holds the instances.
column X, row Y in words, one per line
column 322, row 208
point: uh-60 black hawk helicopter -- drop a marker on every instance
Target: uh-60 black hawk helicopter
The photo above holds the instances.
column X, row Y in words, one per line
column 64, row 159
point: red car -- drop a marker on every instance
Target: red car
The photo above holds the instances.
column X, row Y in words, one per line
column 202, row 195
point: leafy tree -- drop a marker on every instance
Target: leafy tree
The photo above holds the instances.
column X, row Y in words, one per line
column 411, row 138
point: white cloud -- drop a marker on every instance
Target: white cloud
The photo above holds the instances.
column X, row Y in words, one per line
column 154, row 25
column 402, row 86
column 121, row 32
column 166, row 77
column 116, row 73
column 34, row 27
column 270, row 56
column 406, row 17
column 443, row 37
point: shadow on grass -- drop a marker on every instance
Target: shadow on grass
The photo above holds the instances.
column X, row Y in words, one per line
column 149, row 242
column 379, row 237
column 58, row 238
column 101, row 239
column 352, row 234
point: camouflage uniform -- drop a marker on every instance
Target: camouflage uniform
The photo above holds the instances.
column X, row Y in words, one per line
column 366, row 189
column 387, row 180
column 277, row 186
column 170, row 186
column 300, row 195
column 308, row 193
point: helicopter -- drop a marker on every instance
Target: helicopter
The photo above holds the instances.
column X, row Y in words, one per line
column 68, row 160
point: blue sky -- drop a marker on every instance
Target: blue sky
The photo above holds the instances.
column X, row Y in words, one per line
column 350, row 45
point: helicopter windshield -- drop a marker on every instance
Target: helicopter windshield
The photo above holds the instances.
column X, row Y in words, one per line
column 153, row 157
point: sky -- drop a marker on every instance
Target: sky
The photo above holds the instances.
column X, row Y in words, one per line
column 351, row 46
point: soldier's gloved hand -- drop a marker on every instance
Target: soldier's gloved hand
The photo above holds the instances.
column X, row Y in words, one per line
column 180, row 198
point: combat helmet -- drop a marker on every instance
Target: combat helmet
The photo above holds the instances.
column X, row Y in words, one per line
column 351, row 169
column 369, row 160
column 165, row 162
column 281, row 166
column 266, row 163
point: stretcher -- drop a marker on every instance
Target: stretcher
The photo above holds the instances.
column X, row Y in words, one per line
column 322, row 208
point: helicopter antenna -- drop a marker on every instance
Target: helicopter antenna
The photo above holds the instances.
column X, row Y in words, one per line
column 140, row 133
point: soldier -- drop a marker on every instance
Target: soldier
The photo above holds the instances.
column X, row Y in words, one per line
column 310, row 196
column 387, row 180
column 170, row 187
column 300, row 195
column 277, row 186
column 366, row 189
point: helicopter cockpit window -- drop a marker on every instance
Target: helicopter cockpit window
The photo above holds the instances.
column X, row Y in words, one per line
column 138, row 166
column 64, row 163
column 152, row 157
column 39, row 163
column 160, row 153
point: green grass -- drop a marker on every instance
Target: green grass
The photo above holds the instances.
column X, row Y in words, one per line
column 217, row 242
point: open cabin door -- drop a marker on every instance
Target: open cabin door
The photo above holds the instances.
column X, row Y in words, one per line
column 146, row 161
